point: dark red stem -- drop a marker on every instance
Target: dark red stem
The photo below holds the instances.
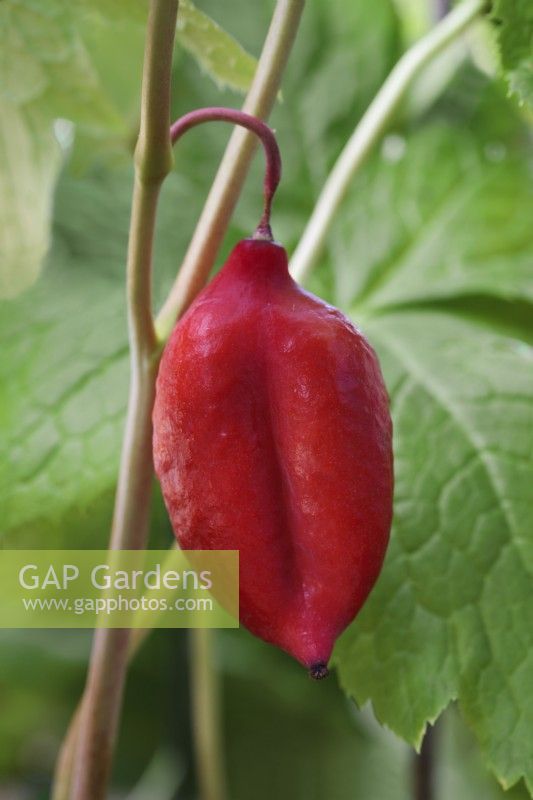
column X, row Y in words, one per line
column 257, row 126
column 424, row 768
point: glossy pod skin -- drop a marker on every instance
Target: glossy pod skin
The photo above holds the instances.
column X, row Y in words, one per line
column 272, row 436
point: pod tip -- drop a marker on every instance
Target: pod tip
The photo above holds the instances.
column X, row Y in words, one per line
column 318, row 671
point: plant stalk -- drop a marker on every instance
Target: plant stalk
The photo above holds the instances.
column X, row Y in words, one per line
column 102, row 700
column 371, row 127
column 92, row 737
column 206, row 717
column 65, row 761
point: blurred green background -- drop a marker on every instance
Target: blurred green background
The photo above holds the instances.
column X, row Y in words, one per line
column 439, row 221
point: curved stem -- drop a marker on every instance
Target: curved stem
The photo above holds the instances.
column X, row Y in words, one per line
column 372, row 126
column 226, row 187
column 90, row 742
column 265, row 134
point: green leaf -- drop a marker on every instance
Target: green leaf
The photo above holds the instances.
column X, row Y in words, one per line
column 217, row 53
column 435, row 216
column 451, row 616
column 44, row 59
column 30, row 160
column 460, row 771
column 513, row 24
column 47, row 72
column 65, row 395
column 64, row 367
column 432, row 253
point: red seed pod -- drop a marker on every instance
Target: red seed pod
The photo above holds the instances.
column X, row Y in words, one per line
column 272, row 436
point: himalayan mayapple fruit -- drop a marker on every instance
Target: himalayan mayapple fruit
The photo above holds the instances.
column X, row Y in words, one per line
column 272, row 436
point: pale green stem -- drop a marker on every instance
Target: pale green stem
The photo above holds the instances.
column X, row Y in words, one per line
column 92, row 736
column 372, row 126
